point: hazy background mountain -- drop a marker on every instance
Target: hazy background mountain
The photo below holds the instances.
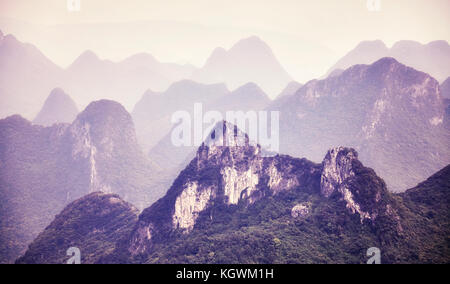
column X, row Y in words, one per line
column 45, row 168
column 391, row 113
column 173, row 159
column 26, row 77
column 249, row 60
column 290, row 89
column 58, row 108
column 232, row 205
column 152, row 114
column 432, row 58
column 91, row 78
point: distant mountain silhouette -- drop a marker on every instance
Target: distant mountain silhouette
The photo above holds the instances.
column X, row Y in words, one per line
column 58, row 108
column 26, row 77
column 249, row 60
column 91, row 78
column 432, row 58
column 290, row 89
column 45, row 168
column 392, row 114
column 152, row 114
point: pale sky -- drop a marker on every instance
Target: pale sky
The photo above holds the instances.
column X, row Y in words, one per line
column 306, row 36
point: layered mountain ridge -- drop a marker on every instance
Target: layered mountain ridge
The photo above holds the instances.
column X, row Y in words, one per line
column 390, row 113
column 432, row 58
column 44, row 168
column 233, row 205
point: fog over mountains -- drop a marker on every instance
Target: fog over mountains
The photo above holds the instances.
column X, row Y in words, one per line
column 87, row 158
column 45, row 168
column 231, row 205
column 249, row 60
column 91, row 78
column 432, row 58
column 392, row 114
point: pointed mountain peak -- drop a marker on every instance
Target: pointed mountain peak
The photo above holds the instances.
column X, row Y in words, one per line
column 58, row 108
column 226, row 134
column 249, row 44
column 88, row 55
column 290, row 89
column 386, row 61
column 87, row 58
column 343, row 174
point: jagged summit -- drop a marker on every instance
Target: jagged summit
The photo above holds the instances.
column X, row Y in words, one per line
column 370, row 108
column 238, row 174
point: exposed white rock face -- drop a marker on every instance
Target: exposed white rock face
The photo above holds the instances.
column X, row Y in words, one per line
column 83, row 148
column 226, row 174
column 436, row 120
column 140, row 241
column 374, row 118
column 190, row 203
column 336, row 174
column 300, row 211
column 281, row 180
column 235, row 183
column 337, row 168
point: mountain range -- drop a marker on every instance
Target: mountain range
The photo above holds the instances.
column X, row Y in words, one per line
column 91, row 78
column 432, row 58
column 232, row 205
column 391, row 114
column 249, row 60
column 44, row 168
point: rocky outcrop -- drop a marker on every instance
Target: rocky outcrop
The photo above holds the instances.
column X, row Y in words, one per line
column 228, row 169
column 42, row 169
column 338, row 173
column 390, row 113
column 301, row 210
